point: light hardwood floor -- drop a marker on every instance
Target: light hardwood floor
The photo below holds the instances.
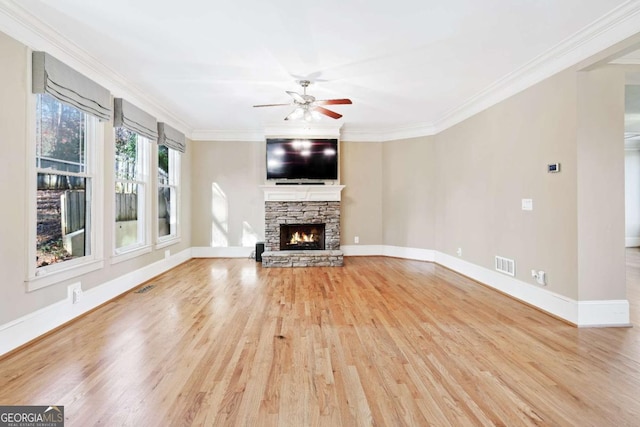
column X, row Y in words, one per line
column 381, row 341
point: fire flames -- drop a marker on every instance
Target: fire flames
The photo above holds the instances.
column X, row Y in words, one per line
column 298, row 237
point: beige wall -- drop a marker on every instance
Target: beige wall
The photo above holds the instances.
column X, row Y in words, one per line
column 14, row 300
column 488, row 163
column 361, row 207
column 228, row 203
column 600, row 193
column 408, row 193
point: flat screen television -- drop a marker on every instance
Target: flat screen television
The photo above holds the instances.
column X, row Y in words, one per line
column 302, row 159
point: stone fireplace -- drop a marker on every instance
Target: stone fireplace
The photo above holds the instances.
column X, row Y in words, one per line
column 302, row 226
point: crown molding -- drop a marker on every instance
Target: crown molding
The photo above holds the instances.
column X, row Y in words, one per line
column 356, row 134
column 244, row 135
column 35, row 34
column 619, row 24
column 627, row 61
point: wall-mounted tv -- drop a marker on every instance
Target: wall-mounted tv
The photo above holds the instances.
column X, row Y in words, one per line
column 302, row 158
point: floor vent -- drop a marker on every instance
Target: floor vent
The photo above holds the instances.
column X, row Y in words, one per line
column 145, row 289
column 505, row 265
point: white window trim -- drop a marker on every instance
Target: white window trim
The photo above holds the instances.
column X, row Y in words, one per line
column 133, row 251
column 38, row 278
column 172, row 239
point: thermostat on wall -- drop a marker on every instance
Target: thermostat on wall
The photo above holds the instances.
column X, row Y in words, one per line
column 553, row 167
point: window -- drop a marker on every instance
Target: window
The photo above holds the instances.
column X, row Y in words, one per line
column 64, row 186
column 63, row 183
column 168, row 194
column 131, row 189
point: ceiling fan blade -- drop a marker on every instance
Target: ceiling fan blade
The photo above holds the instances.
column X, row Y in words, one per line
column 333, row 101
column 296, row 96
column 271, row 105
column 326, row 112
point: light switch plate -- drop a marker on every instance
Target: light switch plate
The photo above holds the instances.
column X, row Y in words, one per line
column 527, row 204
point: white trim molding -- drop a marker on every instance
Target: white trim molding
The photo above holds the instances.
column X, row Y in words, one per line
column 390, row 251
column 222, row 252
column 632, row 242
column 302, row 193
column 29, row 327
column 231, row 135
column 592, row 314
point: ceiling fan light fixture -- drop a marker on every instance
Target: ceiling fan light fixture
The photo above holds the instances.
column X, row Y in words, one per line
column 296, row 114
column 307, row 107
column 307, row 115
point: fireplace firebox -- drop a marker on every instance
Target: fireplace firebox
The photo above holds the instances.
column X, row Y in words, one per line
column 302, row 237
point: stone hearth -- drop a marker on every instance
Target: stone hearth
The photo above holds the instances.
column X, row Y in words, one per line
column 302, row 205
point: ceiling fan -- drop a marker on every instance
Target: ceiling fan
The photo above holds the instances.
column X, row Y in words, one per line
column 307, row 106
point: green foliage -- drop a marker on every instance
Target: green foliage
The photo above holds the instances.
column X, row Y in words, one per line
column 163, row 158
column 61, row 132
column 126, row 143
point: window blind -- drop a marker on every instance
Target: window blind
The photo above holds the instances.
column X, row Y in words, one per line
column 171, row 138
column 129, row 116
column 69, row 86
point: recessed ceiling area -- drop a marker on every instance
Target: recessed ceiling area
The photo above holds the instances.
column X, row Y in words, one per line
column 404, row 64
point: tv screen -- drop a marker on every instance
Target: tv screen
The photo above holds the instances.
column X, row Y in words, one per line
column 302, row 159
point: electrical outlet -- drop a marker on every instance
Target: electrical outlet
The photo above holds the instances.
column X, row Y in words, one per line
column 356, row 239
column 459, row 252
column 540, row 276
column 74, row 292
column 167, row 253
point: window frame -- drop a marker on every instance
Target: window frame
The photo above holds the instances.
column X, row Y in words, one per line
column 175, row 160
column 40, row 277
column 143, row 246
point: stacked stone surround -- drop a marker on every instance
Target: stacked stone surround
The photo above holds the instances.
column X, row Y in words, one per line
column 302, row 212
column 303, row 259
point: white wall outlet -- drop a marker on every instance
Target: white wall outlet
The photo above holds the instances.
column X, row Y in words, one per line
column 527, row 204
column 540, row 276
column 167, row 253
column 74, row 292
column 459, row 252
column 356, row 239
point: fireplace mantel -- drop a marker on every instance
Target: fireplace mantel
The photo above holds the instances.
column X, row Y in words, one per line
column 301, row 193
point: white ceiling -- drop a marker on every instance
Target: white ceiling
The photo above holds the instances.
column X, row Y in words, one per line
column 405, row 64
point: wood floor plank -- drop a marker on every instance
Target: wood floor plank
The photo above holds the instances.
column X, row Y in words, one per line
column 380, row 341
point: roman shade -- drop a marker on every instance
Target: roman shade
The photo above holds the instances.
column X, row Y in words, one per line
column 69, row 86
column 129, row 116
column 171, row 138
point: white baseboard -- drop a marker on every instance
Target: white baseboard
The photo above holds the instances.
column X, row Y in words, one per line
column 362, row 250
column 581, row 313
column 632, row 242
column 603, row 313
column 390, row 251
column 24, row 329
column 409, row 253
column 222, row 252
